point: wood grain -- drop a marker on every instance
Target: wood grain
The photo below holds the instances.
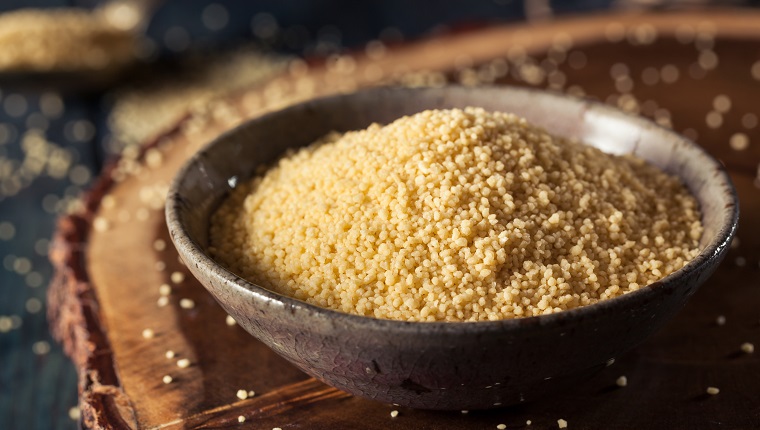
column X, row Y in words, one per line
column 107, row 286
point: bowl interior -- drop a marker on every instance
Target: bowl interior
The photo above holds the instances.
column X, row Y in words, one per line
column 208, row 177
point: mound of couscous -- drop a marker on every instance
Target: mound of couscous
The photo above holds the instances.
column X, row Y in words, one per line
column 456, row 215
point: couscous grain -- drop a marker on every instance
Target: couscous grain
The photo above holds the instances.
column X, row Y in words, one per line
column 75, row 413
column 456, row 215
column 230, row 321
column 621, row 381
column 186, row 304
column 177, row 277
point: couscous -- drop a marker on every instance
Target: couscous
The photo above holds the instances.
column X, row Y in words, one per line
column 456, row 215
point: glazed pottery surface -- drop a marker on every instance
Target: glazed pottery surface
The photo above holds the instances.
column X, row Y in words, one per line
column 447, row 365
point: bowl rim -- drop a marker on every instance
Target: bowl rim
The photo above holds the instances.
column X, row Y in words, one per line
column 186, row 245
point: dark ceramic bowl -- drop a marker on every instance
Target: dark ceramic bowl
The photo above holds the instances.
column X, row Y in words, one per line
column 446, row 365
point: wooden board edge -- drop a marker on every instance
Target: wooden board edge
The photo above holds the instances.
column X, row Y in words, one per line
column 73, row 311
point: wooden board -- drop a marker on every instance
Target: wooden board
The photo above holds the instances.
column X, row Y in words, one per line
column 110, row 265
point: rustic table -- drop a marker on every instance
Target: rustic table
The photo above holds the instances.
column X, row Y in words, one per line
column 698, row 72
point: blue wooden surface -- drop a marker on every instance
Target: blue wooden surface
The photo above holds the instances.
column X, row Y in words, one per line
column 37, row 389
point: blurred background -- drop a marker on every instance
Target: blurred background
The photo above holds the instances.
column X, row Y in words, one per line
column 79, row 86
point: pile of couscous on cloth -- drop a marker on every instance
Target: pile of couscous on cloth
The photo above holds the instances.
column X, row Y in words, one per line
column 456, row 215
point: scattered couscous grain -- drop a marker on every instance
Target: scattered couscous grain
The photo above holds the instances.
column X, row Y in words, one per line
column 148, row 333
column 100, row 224
column 167, row 379
column 394, row 414
column 562, row 423
column 177, row 277
column 159, row 245
column 230, row 321
column 41, row 347
column 501, row 426
column 164, row 290
column 456, row 215
column 241, row 419
column 529, row 422
column 713, row 391
column 5, row 324
column 170, row 354
column 748, row 348
column 621, row 381
column 186, row 303
column 162, row 301
column 183, row 363
column 242, row 394
column 75, row 413
column 610, row 362
column 721, row 320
